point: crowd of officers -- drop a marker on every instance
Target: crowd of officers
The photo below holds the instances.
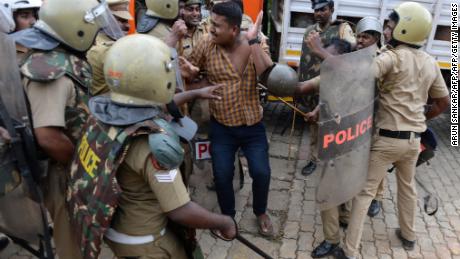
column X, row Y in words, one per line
column 133, row 79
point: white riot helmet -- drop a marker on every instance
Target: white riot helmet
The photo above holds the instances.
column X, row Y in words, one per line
column 25, row 4
column 369, row 24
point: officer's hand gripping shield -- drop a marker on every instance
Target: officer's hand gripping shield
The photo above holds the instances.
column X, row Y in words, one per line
column 347, row 95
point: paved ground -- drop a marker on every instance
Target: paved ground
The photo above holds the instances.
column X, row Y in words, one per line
column 292, row 204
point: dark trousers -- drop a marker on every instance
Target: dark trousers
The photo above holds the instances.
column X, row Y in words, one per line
column 225, row 141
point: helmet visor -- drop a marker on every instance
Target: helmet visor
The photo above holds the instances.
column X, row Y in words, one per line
column 102, row 17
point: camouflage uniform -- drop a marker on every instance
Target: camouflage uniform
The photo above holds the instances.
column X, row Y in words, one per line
column 63, row 78
column 114, row 158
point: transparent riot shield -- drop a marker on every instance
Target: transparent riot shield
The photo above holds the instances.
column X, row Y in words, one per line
column 10, row 82
column 22, row 214
column 347, row 95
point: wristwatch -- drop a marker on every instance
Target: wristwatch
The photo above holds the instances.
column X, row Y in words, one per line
column 254, row 41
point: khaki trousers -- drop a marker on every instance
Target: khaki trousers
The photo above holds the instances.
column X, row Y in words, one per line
column 331, row 219
column 381, row 189
column 385, row 151
column 54, row 189
column 166, row 247
column 314, row 143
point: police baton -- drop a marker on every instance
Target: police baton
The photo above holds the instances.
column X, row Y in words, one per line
column 242, row 240
column 285, row 102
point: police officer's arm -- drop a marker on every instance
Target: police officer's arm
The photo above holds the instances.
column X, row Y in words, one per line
column 308, row 87
column 55, row 143
column 438, row 106
column 314, row 43
column 48, row 102
column 187, row 70
column 202, row 93
column 259, row 55
column 179, row 30
column 195, row 216
column 4, row 135
column 170, row 191
column 440, row 96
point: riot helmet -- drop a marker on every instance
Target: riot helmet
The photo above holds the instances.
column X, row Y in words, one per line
column 369, row 24
column 25, row 4
column 164, row 9
column 76, row 23
column 414, row 24
column 25, row 13
column 139, row 71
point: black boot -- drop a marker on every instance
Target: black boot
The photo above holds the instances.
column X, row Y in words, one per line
column 407, row 244
column 324, row 249
column 343, row 225
column 309, row 168
column 340, row 254
column 4, row 241
column 374, row 208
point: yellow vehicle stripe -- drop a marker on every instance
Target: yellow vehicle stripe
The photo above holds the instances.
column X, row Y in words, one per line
column 291, row 52
column 444, row 65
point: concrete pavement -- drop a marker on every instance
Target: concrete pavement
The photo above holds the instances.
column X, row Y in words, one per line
column 298, row 227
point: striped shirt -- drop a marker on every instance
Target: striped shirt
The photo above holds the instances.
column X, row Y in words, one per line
column 240, row 103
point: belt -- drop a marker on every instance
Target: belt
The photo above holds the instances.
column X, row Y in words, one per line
column 121, row 238
column 398, row 134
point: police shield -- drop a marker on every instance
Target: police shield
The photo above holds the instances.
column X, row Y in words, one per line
column 20, row 216
column 347, row 95
column 11, row 93
column 10, row 81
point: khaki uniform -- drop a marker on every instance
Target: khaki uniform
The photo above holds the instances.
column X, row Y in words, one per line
column 21, row 52
column 143, row 205
column 186, row 44
column 96, row 56
column 46, row 113
column 408, row 76
column 161, row 30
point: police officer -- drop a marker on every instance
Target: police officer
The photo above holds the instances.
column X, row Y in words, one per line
column 335, row 217
column 153, row 191
column 191, row 15
column 159, row 21
column 96, row 55
column 56, row 80
column 25, row 14
column 369, row 32
column 408, row 76
column 310, row 64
